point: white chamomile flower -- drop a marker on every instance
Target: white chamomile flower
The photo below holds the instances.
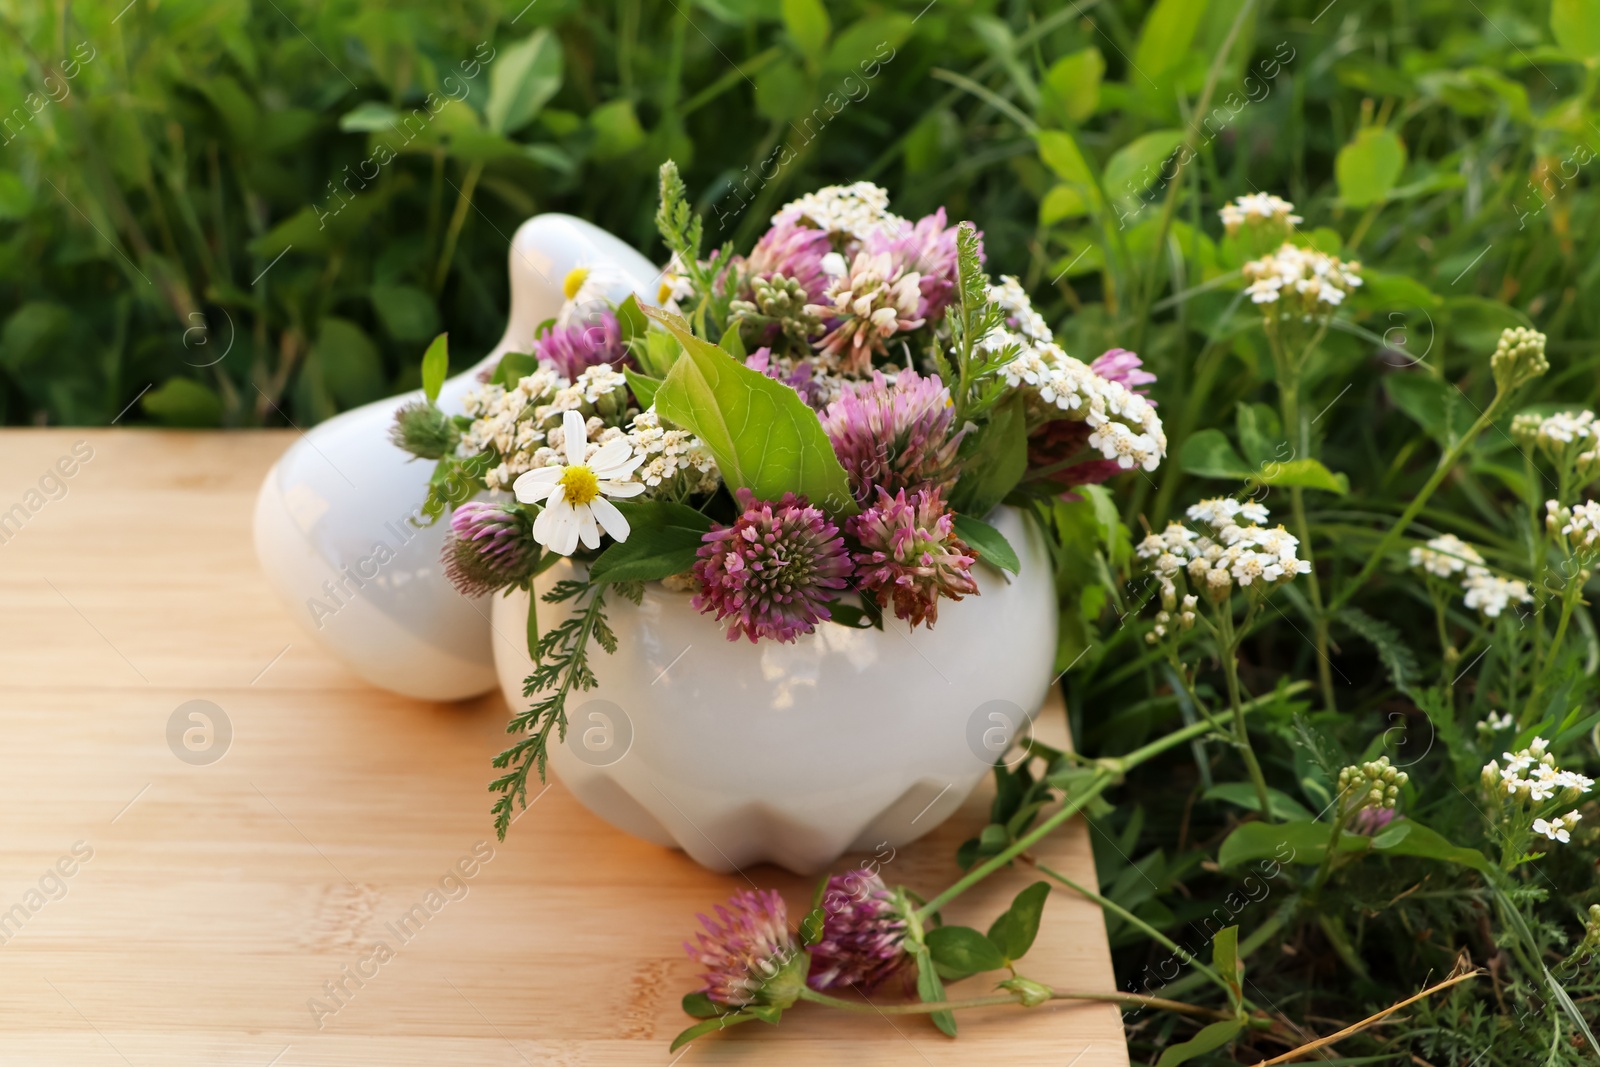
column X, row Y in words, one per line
column 574, row 494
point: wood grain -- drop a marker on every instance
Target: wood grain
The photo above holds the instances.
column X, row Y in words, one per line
column 216, row 901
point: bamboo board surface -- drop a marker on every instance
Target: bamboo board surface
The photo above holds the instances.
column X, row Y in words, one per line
column 206, row 906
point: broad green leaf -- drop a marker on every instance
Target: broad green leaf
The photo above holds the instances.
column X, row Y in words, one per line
column 1209, row 454
column 183, row 402
column 435, row 365
column 1013, row 932
column 1225, row 958
column 931, row 990
column 1369, row 167
column 1209, row 1039
column 1138, row 165
column 616, row 129
column 1260, row 434
column 662, row 541
column 407, row 312
column 644, row 387
column 1301, row 841
column 1062, row 202
column 348, row 361
column 367, row 116
column 1407, row 837
column 809, row 26
column 1576, row 26
column 961, row 950
column 1072, row 85
column 1062, row 155
column 996, row 462
column 1165, row 38
column 990, row 544
column 867, row 44
column 631, row 322
column 512, row 368
column 1437, row 406
column 522, row 80
column 700, row 1006
column 762, row 435
column 1243, row 794
column 1306, row 473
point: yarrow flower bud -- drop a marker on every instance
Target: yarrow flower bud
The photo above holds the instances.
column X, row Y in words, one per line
column 1518, row 358
column 1374, row 784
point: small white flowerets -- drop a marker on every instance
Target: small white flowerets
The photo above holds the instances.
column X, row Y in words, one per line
column 1252, row 556
column 1497, row 722
column 1446, row 556
column 675, row 459
column 854, row 212
column 1492, row 594
column 1258, row 207
column 1125, row 425
column 1531, row 779
column 1302, row 281
column 575, row 494
column 1579, row 524
column 1559, row 828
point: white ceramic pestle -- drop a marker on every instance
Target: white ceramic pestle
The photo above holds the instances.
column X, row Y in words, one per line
column 333, row 525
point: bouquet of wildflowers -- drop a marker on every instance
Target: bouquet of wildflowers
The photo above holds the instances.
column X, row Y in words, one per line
column 813, row 432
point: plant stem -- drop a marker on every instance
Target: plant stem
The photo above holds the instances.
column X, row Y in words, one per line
column 458, row 219
column 997, row 999
column 1132, row 919
column 1241, row 736
column 1447, row 463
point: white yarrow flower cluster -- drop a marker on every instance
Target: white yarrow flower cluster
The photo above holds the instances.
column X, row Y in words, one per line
column 854, row 212
column 1531, row 781
column 1257, row 208
column 1579, row 525
column 1445, row 557
column 1497, row 722
column 672, row 463
column 1492, row 594
column 1301, row 281
column 1125, row 425
column 1246, row 554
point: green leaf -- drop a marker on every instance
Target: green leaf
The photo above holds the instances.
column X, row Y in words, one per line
column 522, row 80
column 808, row 25
column 1306, row 473
column 700, row 1006
column 631, row 322
column 863, row 42
column 1071, row 86
column 991, row 545
column 183, row 402
column 16, row 200
column 1369, row 167
column 1407, row 837
column 616, row 130
column 1437, row 406
column 1138, row 165
column 1225, row 958
column 996, row 463
column 1061, row 154
column 1243, row 794
column 1260, row 434
column 435, row 365
column 1013, row 932
column 662, row 541
column 644, row 387
column 1301, row 841
column 348, row 361
column 1576, row 26
column 961, row 950
column 512, row 368
column 1209, row 1039
column 407, row 312
column 367, row 116
column 1166, row 36
column 534, row 652
column 762, row 435
column 710, row 1026
column 931, row 990
column 1209, row 454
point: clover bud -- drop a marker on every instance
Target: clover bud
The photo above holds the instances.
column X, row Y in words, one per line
column 424, row 431
column 1029, row 994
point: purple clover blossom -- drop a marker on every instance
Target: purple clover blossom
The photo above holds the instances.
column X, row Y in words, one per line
column 802, row 379
column 929, row 248
column 774, row 570
column 1124, row 367
column 570, row 350
column 794, row 251
column 893, row 436
column 1369, row 821
column 747, row 950
column 910, row 553
column 489, row 548
column 862, row 934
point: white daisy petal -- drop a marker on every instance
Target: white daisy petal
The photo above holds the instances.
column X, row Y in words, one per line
column 622, row 490
column 612, row 455
column 577, row 438
column 535, row 485
column 588, row 529
column 566, row 535
column 614, row 522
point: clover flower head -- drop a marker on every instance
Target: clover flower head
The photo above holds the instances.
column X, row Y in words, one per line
column 1259, row 210
column 421, row 429
column 893, row 435
column 910, row 554
column 747, row 951
column 594, row 339
column 863, row 934
column 873, row 300
column 929, row 249
column 774, row 571
column 1445, row 556
column 794, row 251
column 489, row 547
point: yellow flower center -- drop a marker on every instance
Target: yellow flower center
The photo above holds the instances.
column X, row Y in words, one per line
column 664, row 293
column 580, row 485
column 574, row 281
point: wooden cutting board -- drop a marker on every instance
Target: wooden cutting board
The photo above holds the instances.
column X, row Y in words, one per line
column 154, row 911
